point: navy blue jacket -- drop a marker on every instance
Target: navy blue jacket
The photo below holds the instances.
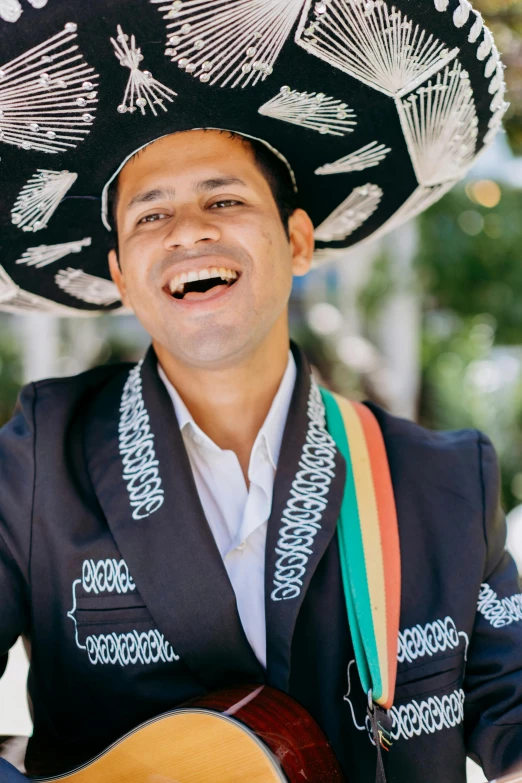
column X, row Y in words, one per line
column 109, row 570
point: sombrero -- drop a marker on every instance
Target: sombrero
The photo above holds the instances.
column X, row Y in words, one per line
column 378, row 108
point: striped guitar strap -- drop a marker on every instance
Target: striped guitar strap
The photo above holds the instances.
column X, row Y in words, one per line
column 370, row 557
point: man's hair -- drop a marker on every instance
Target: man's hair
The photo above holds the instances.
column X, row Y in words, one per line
column 274, row 170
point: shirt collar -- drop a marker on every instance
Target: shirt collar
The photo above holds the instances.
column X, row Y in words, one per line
column 271, row 433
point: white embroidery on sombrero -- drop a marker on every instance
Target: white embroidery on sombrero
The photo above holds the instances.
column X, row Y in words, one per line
column 419, row 201
column 429, row 639
column 142, row 89
column 88, row 288
column 373, row 43
column 302, row 515
column 495, row 122
column 43, row 255
column 440, row 126
column 493, row 61
column 14, row 299
column 227, row 41
column 352, row 213
column 498, row 79
column 461, row 13
column 476, row 27
column 10, row 10
column 40, row 197
column 313, row 110
column 46, row 96
column 136, row 443
column 498, row 101
column 364, row 158
column 486, row 49
column 486, row 46
column 499, row 611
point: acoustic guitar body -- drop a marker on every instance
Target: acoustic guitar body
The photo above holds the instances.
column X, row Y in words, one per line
column 242, row 735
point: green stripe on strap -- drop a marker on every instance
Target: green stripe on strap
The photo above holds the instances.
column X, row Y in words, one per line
column 368, row 545
column 349, row 536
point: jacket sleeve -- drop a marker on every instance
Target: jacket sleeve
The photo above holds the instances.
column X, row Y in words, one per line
column 17, row 473
column 493, row 682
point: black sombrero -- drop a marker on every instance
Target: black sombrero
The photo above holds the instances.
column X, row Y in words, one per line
column 378, row 108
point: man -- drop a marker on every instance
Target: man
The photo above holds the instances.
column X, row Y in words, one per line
column 155, row 533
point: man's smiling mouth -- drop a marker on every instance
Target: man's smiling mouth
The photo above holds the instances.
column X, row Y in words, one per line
column 202, row 284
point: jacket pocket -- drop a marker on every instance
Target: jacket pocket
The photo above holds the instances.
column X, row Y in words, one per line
column 112, row 610
column 431, row 677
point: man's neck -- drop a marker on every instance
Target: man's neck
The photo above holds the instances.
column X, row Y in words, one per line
column 230, row 405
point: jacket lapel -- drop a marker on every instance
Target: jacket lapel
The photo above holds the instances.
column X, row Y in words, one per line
column 307, row 498
column 144, row 483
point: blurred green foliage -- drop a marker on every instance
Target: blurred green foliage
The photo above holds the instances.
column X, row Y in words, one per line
column 10, row 367
column 472, row 335
column 476, row 273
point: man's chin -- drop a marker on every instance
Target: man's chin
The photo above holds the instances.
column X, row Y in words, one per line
column 215, row 348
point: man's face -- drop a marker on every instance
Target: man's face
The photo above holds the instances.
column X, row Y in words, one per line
column 196, row 215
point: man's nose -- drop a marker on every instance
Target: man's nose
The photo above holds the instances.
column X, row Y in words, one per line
column 189, row 227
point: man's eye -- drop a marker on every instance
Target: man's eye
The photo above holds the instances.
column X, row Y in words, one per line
column 151, row 218
column 227, row 201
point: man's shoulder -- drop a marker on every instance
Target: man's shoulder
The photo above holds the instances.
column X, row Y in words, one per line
column 71, row 385
column 405, row 431
column 76, row 391
column 462, row 460
column 51, row 400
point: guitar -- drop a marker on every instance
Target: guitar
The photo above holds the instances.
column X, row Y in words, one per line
column 254, row 734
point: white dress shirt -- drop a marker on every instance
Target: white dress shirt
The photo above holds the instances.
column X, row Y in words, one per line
column 238, row 516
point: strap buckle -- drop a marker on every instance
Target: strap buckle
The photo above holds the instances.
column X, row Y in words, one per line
column 381, row 723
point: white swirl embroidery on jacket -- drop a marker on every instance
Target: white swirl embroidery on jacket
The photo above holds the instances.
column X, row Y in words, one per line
column 428, row 716
column 136, row 441
column 308, row 498
column 109, row 576
column 417, row 717
column 438, row 636
column 132, row 647
column 499, row 611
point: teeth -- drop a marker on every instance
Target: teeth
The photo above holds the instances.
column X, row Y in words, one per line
column 177, row 284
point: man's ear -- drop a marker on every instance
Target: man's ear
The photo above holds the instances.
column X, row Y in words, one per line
column 301, row 231
column 117, row 277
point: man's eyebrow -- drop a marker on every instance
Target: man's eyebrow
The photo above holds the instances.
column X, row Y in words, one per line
column 149, row 195
column 218, row 182
column 205, row 186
